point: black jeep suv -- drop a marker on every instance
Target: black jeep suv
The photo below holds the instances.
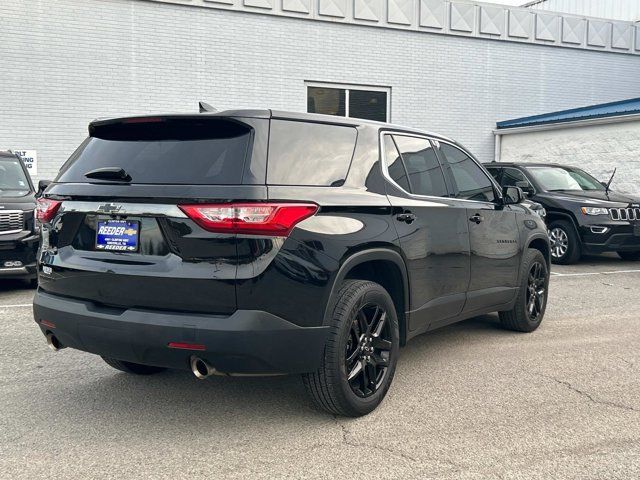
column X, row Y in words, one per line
column 256, row 242
column 19, row 237
column 583, row 215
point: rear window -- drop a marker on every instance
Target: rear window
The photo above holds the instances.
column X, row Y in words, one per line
column 303, row 153
column 165, row 151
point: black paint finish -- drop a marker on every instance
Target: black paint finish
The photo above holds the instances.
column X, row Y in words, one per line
column 620, row 235
column 438, row 263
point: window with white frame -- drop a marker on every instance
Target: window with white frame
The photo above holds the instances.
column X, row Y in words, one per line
column 370, row 103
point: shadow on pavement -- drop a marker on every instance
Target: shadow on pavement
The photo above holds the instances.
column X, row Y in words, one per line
column 7, row 285
column 179, row 399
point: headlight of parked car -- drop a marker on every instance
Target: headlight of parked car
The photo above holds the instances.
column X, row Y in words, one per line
column 595, row 211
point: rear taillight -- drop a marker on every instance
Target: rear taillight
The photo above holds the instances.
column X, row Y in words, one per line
column 275, row 219
column 46, row 209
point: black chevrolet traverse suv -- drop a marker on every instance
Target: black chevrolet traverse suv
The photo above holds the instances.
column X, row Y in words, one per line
column 260, row 242
column 584, row 216
column 19, row 236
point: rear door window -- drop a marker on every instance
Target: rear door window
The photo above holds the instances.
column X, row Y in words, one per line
column 423, row 167
column 309, row 154
column 165, row 151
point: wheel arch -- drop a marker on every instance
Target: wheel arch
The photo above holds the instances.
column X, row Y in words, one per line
column 555, row 215
column 383, row 266
column 541, row 243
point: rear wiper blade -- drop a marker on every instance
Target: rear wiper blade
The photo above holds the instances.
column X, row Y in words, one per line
column 109, row 173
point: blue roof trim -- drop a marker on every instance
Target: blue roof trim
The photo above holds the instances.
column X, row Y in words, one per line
column 613, row 109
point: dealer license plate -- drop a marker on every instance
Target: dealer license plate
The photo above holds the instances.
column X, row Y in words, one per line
column 117, row 235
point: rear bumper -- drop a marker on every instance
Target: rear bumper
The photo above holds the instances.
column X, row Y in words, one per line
column 246, row 342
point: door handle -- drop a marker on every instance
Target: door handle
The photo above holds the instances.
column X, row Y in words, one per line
column 406, row 217
column 477, row 218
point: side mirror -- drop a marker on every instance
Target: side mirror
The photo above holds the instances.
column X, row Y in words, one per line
column 42, row 186
column 512, row 195
column 604, row 184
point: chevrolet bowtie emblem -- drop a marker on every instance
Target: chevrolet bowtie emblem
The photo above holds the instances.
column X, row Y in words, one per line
column 110, row 208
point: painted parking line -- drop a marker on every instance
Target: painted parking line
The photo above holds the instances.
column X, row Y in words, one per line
column 586, row 274
column 18, row 305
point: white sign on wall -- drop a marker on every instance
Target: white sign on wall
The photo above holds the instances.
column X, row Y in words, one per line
column 30, row 159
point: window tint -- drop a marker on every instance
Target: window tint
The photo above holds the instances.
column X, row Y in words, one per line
column 367, row 104
column 394, row 164
column 471, row 182
column 495, row 173
column 303, row 153
column 328, row 101
column 421, row 162
column 349, row 101
column 165, row 151
column 511, row 176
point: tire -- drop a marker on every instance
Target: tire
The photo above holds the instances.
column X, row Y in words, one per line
column 629, row 256
column 563, row 234
column 134, row 368
column 521, row 318
column 329, row 386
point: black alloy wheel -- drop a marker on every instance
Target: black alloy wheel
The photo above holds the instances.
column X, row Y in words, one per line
column 531, row 301
column 361, row 351
column 368, row 349
column 536, row 291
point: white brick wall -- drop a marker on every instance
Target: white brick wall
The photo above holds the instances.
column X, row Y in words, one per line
column 596, row 149
column 65, row 62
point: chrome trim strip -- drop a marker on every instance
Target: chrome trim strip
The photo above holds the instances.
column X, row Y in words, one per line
column 627, row 214
column 13, row 270
column 138, row 209
column 14, row 211
column 13, row 220
column 428, row 200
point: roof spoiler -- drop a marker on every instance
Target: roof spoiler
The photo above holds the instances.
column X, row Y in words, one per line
column 204, row 107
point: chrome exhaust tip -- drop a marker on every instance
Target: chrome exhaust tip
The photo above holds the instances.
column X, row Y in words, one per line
column 53, row 342
column 201, row 369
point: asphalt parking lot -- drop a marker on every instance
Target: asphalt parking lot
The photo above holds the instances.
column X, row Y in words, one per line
column 470, row 401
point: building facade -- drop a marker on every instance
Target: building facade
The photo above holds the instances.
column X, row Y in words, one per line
column 453, row 67
column 627, row 10
column 597, row 138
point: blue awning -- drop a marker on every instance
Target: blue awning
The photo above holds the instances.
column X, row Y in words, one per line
column 604, row 110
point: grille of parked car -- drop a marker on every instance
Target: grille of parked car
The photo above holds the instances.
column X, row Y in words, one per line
column 625, row 213
column 11, row 221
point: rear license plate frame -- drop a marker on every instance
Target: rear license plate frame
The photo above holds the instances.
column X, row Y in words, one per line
column 116, row 241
